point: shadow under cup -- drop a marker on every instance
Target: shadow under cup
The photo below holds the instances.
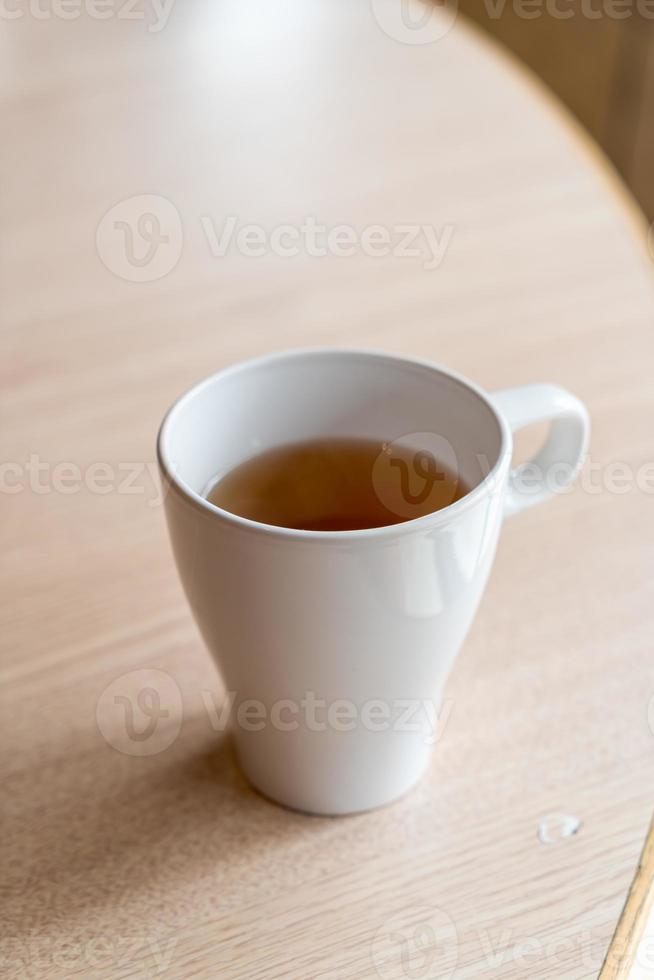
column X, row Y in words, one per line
column 333, row 646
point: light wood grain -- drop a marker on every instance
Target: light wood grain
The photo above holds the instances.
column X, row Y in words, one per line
column 272, row 114
column 622, row 956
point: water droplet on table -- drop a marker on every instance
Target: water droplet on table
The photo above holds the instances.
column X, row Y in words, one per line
column 556, row 827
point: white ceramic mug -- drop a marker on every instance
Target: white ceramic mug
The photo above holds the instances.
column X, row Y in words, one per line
column 335, row 646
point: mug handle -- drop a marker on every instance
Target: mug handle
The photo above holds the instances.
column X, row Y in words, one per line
column 565, row 447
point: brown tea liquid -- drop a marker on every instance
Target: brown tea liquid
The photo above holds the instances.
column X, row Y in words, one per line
column 337, row 485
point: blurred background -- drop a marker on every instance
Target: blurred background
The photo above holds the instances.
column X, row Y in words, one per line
column 596, row 55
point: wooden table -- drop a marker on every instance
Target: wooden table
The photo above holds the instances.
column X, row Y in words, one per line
column 118, row 865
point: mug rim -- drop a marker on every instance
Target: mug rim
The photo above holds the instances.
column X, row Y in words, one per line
column 425, row 522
